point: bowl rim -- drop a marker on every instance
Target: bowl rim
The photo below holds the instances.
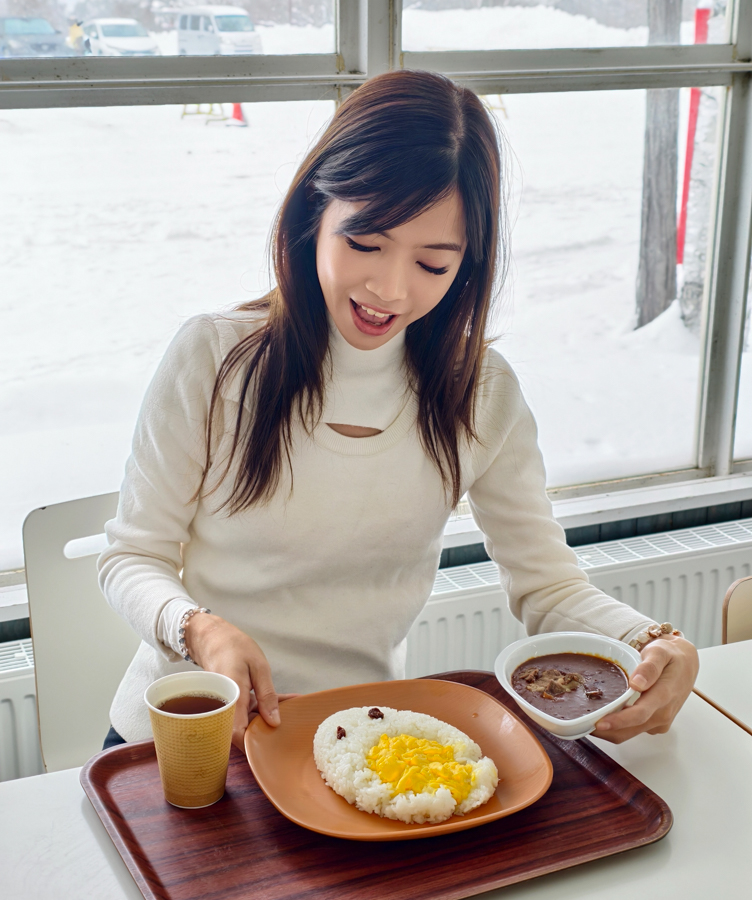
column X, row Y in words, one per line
column 543, row 717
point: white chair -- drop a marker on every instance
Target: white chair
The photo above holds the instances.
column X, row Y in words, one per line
column 737, row 612
column 81, row 647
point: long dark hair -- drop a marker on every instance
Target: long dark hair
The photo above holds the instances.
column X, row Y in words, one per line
column 401, row 143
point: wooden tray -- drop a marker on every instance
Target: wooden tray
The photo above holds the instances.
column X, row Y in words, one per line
column 243, row 847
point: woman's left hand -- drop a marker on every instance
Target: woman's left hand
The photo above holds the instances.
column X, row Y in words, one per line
column 665, row 678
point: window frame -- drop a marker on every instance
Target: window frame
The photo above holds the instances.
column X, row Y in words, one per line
column 368, row 42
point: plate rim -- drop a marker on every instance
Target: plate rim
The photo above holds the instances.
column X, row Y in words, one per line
column 454, row 823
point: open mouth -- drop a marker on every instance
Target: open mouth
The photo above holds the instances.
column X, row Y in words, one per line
column 369, row 321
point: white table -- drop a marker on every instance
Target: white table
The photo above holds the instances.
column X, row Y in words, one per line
column 731, row 695
column 53, row 846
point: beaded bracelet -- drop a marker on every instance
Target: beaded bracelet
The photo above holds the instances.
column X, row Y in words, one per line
column 652, row 633
column 182, row 649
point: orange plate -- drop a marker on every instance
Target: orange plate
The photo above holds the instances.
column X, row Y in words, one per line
column 282, row 758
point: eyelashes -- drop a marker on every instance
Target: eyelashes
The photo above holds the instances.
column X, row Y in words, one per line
column 361, row 248
column 434, row 271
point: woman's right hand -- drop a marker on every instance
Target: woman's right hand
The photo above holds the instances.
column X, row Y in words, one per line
column 218, row 646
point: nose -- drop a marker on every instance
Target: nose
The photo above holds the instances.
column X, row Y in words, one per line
column 389, row 283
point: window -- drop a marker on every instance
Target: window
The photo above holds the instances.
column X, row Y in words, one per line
column 743, row 434
column 27, row 26
column 124, row 30
column 113, row 260
column 288, row 27
column 167, row 214
column 601, row 389
column 234, row 23
column 458, row 25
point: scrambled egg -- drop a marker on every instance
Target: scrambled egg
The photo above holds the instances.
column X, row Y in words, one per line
column 408, row 763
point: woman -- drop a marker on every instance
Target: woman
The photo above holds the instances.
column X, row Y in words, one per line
column 295, row 461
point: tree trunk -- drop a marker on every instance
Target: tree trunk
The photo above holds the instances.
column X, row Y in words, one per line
column 656, row 274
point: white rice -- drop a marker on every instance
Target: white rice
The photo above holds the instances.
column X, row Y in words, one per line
column 342, row 763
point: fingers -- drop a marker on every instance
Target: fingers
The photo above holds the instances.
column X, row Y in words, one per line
column 263, row 687
column 625, row 724
column 675, row 661
column 253, row 708
column 655, row 658
column 239, row 724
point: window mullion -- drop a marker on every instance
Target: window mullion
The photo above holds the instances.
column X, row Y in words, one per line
column 90, row 81
column 368, row 37
column 351, row 35
column 609, row 68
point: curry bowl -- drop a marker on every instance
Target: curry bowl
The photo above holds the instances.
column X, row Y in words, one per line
column 626, row 657
column 282, row 762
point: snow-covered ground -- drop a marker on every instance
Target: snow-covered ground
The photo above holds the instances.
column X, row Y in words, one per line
column 119, row 223
column 515, row 28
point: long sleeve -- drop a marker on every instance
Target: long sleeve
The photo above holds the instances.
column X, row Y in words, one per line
column 139, row 572
column 547, row 590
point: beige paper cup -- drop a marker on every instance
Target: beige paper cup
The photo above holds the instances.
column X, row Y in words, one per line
column 192, row 751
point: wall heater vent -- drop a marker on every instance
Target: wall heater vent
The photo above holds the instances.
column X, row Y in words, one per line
column 705, row 540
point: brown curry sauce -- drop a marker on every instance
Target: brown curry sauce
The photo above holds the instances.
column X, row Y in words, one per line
column 569, row 685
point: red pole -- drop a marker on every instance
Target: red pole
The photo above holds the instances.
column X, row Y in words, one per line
column 702, row 16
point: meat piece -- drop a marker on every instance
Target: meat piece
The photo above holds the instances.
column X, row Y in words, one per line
column 553, row 682
column 595, row 694
column 530, row 675
column 550, row 674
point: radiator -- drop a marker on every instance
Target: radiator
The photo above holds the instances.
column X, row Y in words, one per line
column 19, row 736
column 678, row 576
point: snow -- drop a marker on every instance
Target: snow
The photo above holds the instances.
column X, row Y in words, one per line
column 509, row 28
column 119, row 223
column 516, row 28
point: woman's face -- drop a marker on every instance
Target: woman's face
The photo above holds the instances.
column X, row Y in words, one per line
column 375, row 285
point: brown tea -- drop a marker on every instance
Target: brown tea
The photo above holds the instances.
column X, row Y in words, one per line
column 192, row 704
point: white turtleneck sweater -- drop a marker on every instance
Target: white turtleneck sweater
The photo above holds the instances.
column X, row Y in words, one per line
column 327, row 578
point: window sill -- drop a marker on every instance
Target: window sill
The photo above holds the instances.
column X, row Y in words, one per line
column 14, row 603
column 617, row 505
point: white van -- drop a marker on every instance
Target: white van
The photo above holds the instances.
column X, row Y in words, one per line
column 118, row 37
column 216, row 30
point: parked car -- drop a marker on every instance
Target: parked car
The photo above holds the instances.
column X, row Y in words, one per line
column 31, row 36
column 118, row 37
column 216, row 30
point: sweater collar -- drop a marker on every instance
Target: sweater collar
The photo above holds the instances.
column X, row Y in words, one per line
column 367, row 387
column 348, row 361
